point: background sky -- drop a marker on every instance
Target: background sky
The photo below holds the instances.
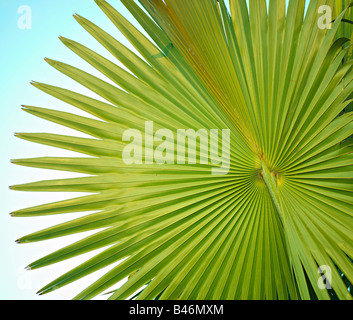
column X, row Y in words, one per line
column 21, row 60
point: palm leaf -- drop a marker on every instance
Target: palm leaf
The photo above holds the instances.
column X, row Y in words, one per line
column 345, row 30
column 284, row 209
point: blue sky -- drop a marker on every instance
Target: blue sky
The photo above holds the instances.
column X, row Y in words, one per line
column 21, row 61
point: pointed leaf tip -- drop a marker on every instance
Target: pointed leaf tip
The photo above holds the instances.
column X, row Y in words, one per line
column 34, row 83
column 42, row 291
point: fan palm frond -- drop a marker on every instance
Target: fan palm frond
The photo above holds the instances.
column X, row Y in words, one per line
column 267, row 73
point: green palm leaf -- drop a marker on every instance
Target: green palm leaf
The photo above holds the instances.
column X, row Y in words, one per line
column 345, row 30
column 284, row 209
